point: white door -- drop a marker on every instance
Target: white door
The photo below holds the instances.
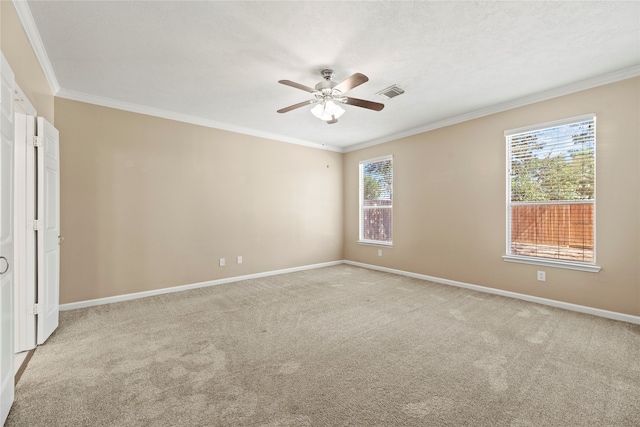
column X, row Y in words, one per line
column 6, row 238
column 48, row 229
column 24, row 242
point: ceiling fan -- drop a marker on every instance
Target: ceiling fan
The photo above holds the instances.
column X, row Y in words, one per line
column 328, row 94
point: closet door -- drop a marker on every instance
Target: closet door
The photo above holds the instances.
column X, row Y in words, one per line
column 6, row 238
column 48, row 229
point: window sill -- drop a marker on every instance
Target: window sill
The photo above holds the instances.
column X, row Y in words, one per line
column 590, row 268
column 374, row 243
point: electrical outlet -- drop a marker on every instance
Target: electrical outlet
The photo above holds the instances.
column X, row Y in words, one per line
column 239, row 260
column 542, row 276
column 379, row 252
column 221, row 262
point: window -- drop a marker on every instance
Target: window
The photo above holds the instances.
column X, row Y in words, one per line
column 551, row 193
column 376, row 201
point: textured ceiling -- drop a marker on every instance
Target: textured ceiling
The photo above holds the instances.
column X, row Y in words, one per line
column 220, row 62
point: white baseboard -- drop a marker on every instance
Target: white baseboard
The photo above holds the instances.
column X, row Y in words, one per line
column 553, row 303
column 136, row 295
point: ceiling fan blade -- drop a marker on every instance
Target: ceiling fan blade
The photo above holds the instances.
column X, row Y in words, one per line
column 356, row 80
column 364, row 103
column 296, row 85
column 298, row 105
column 332, row 121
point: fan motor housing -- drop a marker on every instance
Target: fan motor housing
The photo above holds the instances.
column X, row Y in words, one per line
column 328, row 83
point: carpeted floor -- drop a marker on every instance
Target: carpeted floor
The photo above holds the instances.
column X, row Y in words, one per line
column 332, row 347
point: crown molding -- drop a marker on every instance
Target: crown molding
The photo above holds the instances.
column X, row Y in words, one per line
column 601, row 80
column 185, row 118
column 30, row 28
column 29, row 25
column 26, row 18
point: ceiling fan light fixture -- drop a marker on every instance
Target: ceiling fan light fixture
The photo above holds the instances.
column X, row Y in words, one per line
column 327, row 110
column 328, row 95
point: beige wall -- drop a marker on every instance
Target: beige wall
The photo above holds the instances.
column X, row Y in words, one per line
column 17, row 49
column 449, row 202
column 149, row 203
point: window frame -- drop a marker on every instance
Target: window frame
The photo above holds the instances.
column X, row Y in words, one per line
column 588, row 266
column 361, row 202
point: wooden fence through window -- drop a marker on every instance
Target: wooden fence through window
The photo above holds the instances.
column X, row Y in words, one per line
column 567, row 225
column 376, row 223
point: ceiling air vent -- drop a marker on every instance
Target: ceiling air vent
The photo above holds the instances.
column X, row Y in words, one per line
column 390, row 92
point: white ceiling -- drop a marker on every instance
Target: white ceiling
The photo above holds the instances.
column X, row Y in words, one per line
column 218, row 63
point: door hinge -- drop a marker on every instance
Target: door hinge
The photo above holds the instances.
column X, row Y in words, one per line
column 34, row 309
column 36, row 141
column 36, row 224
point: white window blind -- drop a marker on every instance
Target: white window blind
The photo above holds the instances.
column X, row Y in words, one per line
column 376, row 201
column 551, row 190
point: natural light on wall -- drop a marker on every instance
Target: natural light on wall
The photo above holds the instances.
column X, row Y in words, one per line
column 551, row 192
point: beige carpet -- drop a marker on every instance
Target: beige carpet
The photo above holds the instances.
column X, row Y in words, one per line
column 332, row 347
